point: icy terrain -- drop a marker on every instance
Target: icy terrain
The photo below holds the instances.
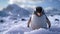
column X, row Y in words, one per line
column 19, row 26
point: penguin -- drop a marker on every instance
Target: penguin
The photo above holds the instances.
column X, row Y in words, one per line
column 38, row 20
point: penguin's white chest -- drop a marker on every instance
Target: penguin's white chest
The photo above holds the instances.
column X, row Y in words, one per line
column 38, row 22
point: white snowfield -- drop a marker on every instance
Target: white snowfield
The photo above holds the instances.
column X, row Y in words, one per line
column 21, row 27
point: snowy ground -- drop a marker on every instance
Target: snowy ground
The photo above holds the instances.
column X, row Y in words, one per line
column 20, row 27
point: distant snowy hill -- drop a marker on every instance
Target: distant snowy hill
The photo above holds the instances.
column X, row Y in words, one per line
column 53, row 11
column 15, row 10
column 31, row 10
column 3, row 14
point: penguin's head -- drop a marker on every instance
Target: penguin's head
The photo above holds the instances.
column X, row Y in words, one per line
column 39, row 11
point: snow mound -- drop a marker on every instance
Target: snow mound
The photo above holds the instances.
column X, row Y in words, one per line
column 17, row 30
column 21, row 27
column 42, row 31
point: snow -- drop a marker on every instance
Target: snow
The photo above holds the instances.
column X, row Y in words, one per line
column 20, row 27
column 41, row 31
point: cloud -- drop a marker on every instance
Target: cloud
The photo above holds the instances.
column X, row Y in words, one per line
column 59, row 0
column 10, row 2
column 26, row 3
column 1, row 8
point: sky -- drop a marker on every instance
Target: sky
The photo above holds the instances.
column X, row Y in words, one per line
column 31, row 3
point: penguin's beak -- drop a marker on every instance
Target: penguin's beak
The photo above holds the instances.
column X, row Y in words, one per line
column 38, row 14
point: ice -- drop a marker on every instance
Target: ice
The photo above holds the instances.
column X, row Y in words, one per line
column 41, row 31
column 20, row 27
